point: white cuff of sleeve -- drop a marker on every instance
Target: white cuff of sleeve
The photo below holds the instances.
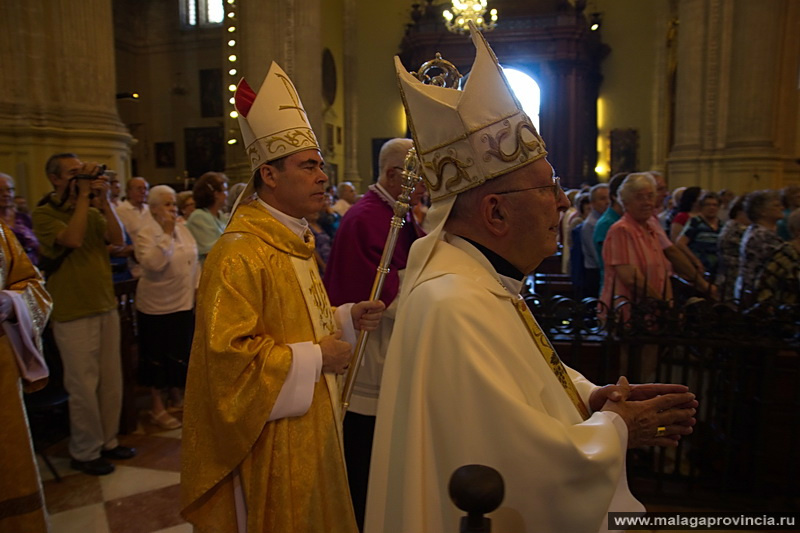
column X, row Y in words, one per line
column 298, row 389
column 619, row 425
column 344, row 319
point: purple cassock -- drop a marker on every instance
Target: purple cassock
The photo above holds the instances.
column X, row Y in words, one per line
column 350, row 273
column 358, row 247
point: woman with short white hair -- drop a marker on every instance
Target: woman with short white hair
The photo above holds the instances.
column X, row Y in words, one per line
column 633, row 252
column 165, row 294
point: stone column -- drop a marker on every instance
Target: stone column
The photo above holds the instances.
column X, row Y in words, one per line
column 59, row 89
column 286, row 32
column 351, row 94
column 730, row 122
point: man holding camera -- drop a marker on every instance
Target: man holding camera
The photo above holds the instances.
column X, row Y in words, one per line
column 73, row 237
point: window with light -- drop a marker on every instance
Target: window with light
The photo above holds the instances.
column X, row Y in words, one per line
column 202, row 13
column 527, row 92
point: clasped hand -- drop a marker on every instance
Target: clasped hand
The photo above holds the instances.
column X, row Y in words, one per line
column 648, row 407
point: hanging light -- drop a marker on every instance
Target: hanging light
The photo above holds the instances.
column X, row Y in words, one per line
column 457, row 17
column 595, row 21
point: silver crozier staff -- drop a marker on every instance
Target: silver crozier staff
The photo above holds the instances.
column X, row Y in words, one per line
column 410, row 179
column 442, row 73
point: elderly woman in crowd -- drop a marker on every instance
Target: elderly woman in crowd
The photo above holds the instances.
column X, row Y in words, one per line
column 730, row 238
column 185, row 204
column 688, row 207
column 207, row 221
column 20, row 223
column 164, row 300
column 779, row 282
column 760, row 239
column 701, row 232
column 233, row 194
column 633, row 253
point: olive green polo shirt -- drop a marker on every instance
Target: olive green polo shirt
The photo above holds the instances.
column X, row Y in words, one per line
column 82, row 286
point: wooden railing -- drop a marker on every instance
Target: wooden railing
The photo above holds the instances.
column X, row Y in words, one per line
column 126, row 298
column 744, row 366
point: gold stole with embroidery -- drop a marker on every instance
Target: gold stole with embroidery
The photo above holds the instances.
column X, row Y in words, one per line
column 322, row 319
column 551, row 357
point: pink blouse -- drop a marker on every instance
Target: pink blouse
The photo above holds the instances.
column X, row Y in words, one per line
column 630, row 243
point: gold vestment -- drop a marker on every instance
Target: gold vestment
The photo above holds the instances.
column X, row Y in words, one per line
column 250, row 307
column 21, row 497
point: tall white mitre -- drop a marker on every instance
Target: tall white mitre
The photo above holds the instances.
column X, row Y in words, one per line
column 273, row 122
column 466, row 137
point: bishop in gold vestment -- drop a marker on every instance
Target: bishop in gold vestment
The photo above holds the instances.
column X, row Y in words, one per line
column 260, row 292
column 21, row 500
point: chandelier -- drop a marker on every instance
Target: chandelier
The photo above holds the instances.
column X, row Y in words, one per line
column 474, row 10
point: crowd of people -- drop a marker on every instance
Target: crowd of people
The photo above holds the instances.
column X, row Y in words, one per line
column 636, row 235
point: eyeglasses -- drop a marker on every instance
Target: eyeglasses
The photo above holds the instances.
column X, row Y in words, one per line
column 556, row 186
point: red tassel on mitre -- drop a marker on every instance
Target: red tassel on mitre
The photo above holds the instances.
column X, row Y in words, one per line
column 244, row 98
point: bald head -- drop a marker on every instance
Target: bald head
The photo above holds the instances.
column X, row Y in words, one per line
column 390, row 161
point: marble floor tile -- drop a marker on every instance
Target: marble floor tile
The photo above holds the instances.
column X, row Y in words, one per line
column 158, row 453
column 74, row 490
column 61, row 464
column 145, row 512
column 128, row 480
column 183, row 528
column 87, row 519
column 172, row 433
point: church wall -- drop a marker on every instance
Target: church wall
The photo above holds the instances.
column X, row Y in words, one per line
column 162, row 61
column 380, row 110
column 332, row 137
column 736, row 96
column 57, row 93
column 630, row 29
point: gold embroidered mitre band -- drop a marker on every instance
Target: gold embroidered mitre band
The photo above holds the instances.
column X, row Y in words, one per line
column 273, row 121
column 464, row 138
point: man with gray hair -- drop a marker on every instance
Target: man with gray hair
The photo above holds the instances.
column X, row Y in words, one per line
column 599, row 198
column 470, row 377
column 73, row 238
column 133, row 211
column 351, row 269
column 347, row 197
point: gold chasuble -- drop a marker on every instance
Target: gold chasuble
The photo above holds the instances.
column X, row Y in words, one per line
column 258, row 294
column 21, row 500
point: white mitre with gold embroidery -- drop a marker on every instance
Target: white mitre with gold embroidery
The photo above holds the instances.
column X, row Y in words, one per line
column 464, row 138
column 273, row 122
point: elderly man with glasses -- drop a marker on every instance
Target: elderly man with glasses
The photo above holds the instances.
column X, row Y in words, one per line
column 469, row 375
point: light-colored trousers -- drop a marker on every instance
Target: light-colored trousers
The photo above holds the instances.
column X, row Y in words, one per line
column 93, row 378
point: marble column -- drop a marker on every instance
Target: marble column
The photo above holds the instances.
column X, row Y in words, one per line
column 736, row 109
column 286, row 32
column 59, row 89
column 351, row 94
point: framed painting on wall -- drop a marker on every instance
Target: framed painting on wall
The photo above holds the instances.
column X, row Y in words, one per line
column 624, row 150
column 205, row 150
column 165, row 155
column 211, row 92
